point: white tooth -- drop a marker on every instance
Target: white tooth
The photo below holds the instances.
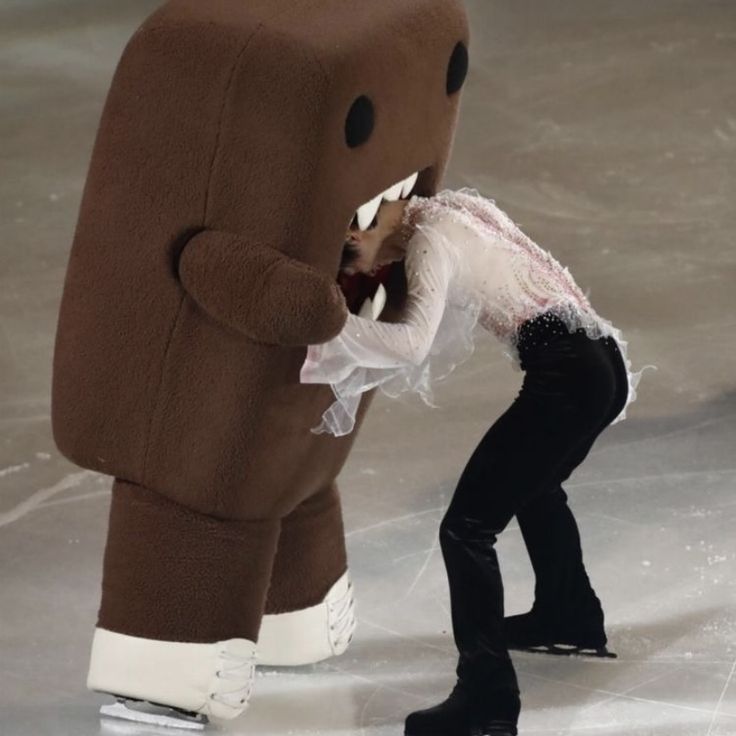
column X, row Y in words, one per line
column 367, row 212
column 393, row 193
column 379, row 301
column 366, row 311
column 408, row 185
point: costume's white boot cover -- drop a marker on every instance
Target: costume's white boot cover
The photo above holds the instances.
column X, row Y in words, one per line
column 212, row 679
column 312, row 634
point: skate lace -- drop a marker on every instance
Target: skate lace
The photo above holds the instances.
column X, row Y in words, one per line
column 342, row 618
column 235, row 669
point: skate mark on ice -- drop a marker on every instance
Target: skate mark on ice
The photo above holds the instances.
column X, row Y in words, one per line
column 423, row 568
column 37, row 499
column 440, row 604
column 665, row 434
column 717, row 710
column 609, row 517
column 672, row 660
column 364, row 710
column 14, row 421
column 372, row 682
column 621, row 695
column 394, row 520
column 678, row 475
column 426, row 645
column 628, row 690
column 11, row 470
column 408, row 556
column 76, row 499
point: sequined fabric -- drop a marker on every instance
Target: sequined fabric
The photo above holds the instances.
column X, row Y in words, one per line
column 499, row 267
column 467, row 264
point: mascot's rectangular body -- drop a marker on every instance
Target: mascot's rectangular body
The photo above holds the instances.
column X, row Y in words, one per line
column 234, row 149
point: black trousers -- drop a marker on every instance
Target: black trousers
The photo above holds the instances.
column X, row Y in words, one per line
column 573, row 388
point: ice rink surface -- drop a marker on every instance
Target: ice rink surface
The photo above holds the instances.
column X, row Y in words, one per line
column 608, row 130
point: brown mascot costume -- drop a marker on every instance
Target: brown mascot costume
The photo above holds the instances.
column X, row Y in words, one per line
column 238, row 141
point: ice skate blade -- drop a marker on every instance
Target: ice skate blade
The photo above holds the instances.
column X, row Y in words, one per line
column 154, row 715
column 467, row 731
column 562, row 650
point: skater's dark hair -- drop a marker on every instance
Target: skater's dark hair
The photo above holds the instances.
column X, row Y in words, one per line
column 350, row 254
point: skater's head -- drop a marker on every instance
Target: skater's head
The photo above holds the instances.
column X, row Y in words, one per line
column 383, row 242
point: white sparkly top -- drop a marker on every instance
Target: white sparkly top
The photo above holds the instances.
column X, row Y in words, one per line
column 467, row 263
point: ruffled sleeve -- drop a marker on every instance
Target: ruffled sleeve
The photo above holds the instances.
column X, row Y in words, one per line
column 370, row 344
column 397, row 356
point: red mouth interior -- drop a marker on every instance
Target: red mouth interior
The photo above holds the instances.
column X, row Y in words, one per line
column 360, row 286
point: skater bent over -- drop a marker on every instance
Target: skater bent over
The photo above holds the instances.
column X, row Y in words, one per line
column 467, row 263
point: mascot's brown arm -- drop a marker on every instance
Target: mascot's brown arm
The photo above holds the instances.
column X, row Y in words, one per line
column 261, row 292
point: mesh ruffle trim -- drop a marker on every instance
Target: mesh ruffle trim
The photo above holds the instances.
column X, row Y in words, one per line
column 455, row 340
column 453, row 347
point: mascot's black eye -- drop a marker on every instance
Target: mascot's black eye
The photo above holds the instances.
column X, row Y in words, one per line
column 457, row 69
column 359, row 123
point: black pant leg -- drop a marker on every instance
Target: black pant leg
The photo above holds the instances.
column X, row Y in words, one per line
column 567, row 394
column 549, row 528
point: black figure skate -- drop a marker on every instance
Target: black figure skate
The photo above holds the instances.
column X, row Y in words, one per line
column 463, row 714
column 541, row 634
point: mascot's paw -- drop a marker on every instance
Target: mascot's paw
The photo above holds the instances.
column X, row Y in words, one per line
column 312, row 634
column 212, row 680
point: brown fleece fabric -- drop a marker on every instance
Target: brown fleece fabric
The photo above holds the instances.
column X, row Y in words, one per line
column 164, row 564
column 311, row 555
column 211, row 228
column 238, row 283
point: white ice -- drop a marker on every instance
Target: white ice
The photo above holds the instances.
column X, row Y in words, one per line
column 607, row 131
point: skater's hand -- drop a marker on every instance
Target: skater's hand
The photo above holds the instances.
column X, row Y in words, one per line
column 261, row 292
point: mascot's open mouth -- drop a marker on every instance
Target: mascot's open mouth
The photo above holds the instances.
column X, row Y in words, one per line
column 366, row 294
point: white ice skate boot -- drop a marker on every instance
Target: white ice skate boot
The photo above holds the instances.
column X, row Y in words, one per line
column 171, row 683
column 312, row 634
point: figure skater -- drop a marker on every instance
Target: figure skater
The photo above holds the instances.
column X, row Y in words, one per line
column 467, row 263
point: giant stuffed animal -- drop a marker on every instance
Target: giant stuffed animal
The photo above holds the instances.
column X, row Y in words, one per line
column 238, row 142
